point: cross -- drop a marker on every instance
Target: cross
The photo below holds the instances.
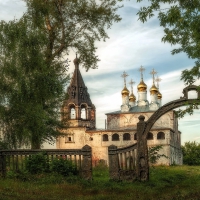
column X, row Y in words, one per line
column 158, row 80
column 153, row 72
column 141, row 71
column 124, row 75
column 132, row 83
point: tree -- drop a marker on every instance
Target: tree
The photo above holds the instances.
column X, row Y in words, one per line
column 181, row 22
column 191, row 153
column 32, row 72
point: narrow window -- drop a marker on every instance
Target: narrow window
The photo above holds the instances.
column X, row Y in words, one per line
column 160, row 136
column 126, row 136
column 115, row 137
column 105, row 137
column 135, row 136
column 150, row 136
column 69, row 138
column 83, row 113
column 72, row 113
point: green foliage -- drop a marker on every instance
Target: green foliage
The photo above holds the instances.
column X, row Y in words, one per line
column 64, row 167
column 191, row 153
column 33, row 70
column 189, row 109
column 37, row 164
column 73, row 24
column 100, row 171
column 181, row 21
column 154, row 154
column 3, row 144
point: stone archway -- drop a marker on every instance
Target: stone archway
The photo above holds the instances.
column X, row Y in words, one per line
column 143, row 127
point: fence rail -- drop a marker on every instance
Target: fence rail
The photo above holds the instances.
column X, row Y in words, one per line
column 122, row 162
column 14, row 159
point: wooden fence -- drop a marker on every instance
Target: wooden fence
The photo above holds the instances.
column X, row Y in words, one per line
column 14, row 159
column 122, row 162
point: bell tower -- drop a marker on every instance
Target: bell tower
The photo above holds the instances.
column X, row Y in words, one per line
column 78, row 109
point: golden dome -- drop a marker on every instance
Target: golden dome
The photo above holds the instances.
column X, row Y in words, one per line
column 132, row 98
column 159, row 95
column 125, row 91
column 142, row 86
column 153, row 89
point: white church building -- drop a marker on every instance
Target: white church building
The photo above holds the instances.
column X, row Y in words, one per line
column 80, row 114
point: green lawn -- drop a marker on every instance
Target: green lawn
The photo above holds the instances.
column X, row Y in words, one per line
column 170, row 183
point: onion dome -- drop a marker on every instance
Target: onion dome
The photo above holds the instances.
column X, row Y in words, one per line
column 125, row 91
column 142, row 86
column 159, row 95
column 153, row 89
column 132, row 98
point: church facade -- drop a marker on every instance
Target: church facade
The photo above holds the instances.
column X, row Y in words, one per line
column 80, row 114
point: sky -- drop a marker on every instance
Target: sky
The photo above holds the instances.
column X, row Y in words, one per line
column 130, row 45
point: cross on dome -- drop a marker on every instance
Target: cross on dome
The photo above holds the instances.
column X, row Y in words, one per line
column 124, row 75
column 158, row 80
column 132, row 83
column 153, row 72
column 141, row 71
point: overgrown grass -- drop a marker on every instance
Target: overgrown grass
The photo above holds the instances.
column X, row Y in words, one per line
column 166, row 183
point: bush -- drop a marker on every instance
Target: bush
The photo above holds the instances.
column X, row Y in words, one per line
column 191, row 153
column 3, row 145
column 154, row 154
column 64, row 167
column 37, row 164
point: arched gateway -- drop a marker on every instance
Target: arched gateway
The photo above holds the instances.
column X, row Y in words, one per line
column 143, row 128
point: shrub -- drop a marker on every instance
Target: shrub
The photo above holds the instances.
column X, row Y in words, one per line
column 3, row 144
column 191, row 153
column 154, row 154
column 64, row 167
column 38, row 163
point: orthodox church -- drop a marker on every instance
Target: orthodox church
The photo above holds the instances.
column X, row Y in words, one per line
column 80, row 114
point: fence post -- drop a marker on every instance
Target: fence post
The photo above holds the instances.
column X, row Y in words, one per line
column 113, row 162
column 142, row 165
column 86, row 169
column 2, row 164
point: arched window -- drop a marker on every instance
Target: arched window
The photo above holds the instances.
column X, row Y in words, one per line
column 126, row 136
column 83, row 112
column 115, row 137
column 135, row 136
column 150, row 136
column 72, row 113
column 160, row 136
column 105, row 137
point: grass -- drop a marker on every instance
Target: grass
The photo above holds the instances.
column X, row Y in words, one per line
column 166, row 183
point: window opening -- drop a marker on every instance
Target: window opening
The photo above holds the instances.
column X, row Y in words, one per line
column 135, row 136
column 115, row 137
column 105, row 137
column 150, row 136
column 160, row 136
column 83, row 113
column 126, row 136
column 73, row 113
